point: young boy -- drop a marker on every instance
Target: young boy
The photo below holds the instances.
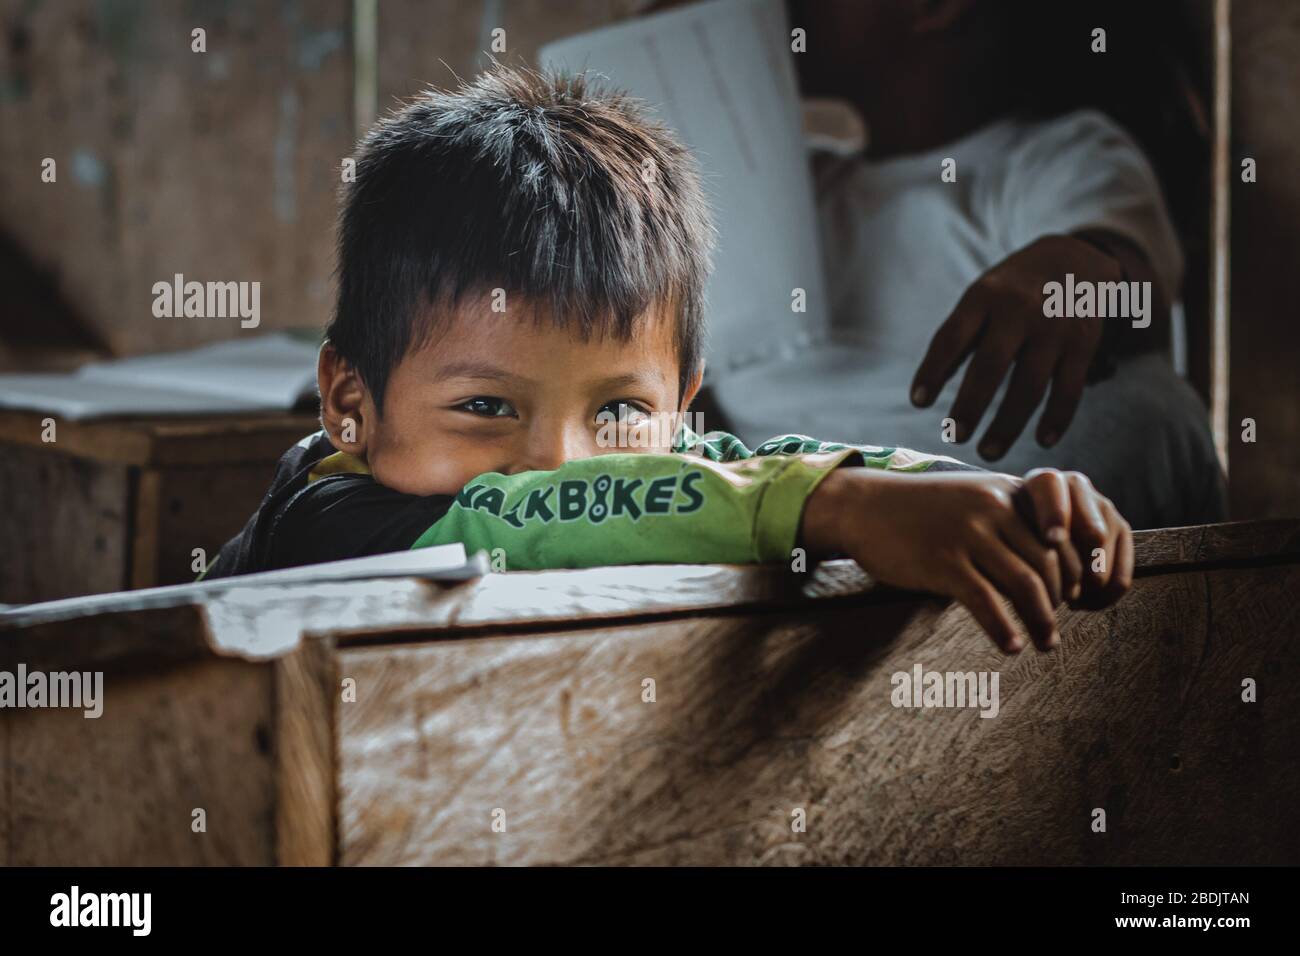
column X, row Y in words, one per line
column 521, row 270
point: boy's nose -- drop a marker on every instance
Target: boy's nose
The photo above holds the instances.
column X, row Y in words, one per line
column 550, row 449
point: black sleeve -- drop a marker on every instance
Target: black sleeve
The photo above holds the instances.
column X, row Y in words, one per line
column 348, row 516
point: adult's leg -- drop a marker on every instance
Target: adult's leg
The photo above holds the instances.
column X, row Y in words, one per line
column 1142, row 435
column 1144, row 439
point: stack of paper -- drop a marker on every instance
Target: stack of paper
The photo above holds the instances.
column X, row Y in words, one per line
column 263, row 373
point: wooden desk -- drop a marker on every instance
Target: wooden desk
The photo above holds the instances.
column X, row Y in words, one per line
column 121, row 503
column 524, row 693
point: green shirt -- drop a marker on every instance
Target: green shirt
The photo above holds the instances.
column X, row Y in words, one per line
column 712, row 501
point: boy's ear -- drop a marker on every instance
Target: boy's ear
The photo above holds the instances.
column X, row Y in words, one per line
column 692, row 387
column 344, row 401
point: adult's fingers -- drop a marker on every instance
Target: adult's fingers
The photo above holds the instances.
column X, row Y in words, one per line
column 948, row 348
column 1028, row 384
column 1067, row 389
column 984, row 374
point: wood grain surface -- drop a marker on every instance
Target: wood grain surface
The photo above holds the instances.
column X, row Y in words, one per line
column 1139, row 713
column 519, row 699
column 123, row 788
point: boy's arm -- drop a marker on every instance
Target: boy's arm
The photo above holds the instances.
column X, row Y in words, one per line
column 957, row 534
column 714, row 502
column 639, row 509
column 721, row 446
column 964, row 536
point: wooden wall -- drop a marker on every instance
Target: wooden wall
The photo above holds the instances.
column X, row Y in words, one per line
column 1264, row 476
column 224, row 165
column 217, row 165
column 220, row 165
column 413, row 56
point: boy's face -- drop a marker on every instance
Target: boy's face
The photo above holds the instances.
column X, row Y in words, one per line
column 494, row 393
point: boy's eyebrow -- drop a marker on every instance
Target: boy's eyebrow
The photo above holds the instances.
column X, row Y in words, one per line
column 485, row 370
column 629, row 380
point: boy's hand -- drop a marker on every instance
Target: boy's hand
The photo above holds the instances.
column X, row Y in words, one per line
column 963, row 536
column 1086, row 529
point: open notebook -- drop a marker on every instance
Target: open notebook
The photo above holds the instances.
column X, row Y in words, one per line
column 271, row 372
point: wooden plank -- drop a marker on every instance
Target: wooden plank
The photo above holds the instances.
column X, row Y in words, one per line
column 1139, row 713
column 123, row 788
column 266, row 621
column 180, row 509
column 412, row 56
column 1265, row 234
column 306, row 814
column 1233, row 542
column 144, row 530
column 1220, row 226
column 775, row 702
column 122, row 504
column 161, row 636
column 63, row 527
column 165, row 442
column 133, row 116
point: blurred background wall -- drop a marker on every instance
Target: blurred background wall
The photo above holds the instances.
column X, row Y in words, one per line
column 224, row 166
column 220, row 165
column 1264, row 478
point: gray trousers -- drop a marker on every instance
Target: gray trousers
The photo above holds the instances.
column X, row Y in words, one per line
column 1142, row 435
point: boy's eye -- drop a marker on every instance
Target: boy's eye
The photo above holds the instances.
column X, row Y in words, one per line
column 489, row 407
column 621, row 411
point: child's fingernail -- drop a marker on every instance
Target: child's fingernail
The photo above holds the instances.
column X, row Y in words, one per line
column 920, row 395
column 1053, row 639
column 1075, row 592
column 1056, row 535
column 1015, row 644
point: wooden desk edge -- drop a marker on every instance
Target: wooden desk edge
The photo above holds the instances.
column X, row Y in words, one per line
column 234, row 623
column 162, row 441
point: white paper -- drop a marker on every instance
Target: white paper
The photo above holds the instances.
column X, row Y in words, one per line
column 262, row 373
column 444, row 562
column 720, row 74
column 72, row 398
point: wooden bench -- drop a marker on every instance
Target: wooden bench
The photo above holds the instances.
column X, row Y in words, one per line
column 521, row 700
column 122, row 503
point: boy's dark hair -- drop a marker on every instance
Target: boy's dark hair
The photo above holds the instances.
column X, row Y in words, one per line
column 562, row 194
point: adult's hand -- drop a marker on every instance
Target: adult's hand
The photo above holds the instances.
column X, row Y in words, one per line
column 1000, row 319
